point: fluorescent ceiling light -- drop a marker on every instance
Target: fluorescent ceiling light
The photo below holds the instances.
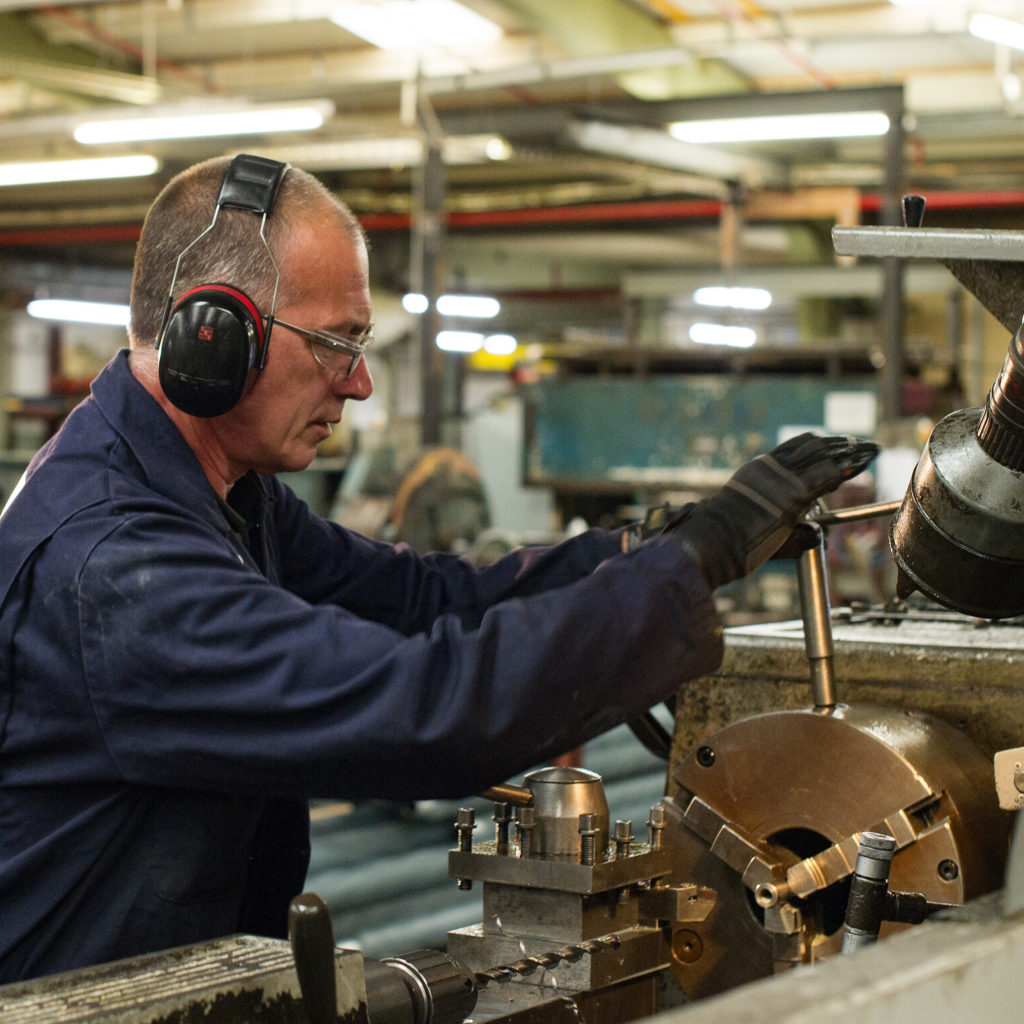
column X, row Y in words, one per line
column 198, row 124
column 835, row 125
column 416, row 24
column 79, row 312
column 414, row 302
column 997, row 30
column 498, row 148
column 399, row 151
column 500, row 344
column 44, row 171
column 733, row 298
column 722, row 334
column 459, row 341
column 478, row 307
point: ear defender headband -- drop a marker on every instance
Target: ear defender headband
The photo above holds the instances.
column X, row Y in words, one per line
column 214, row 335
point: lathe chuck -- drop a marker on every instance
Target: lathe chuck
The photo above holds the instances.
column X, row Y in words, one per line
column 768, row 813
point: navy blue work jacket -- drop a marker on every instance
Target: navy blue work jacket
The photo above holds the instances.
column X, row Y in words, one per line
column 171, row 696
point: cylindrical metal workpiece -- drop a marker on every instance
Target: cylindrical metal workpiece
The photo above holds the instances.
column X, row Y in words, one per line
column 423, row 987
column 959, row 534
column 517, row 796
column 869, row 891
column 560, row 796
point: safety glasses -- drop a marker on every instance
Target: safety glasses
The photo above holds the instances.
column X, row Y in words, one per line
column 336, row 353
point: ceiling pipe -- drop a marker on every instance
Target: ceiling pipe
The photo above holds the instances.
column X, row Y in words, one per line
column 656, row 147
column 733, row 14
column 590, row 213
column 130, row 49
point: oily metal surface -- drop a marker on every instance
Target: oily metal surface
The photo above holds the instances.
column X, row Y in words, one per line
column 793, row 784
column 968, row 672
column 238, row 978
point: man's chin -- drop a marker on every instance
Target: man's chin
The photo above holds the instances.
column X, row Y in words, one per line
column 293, row 461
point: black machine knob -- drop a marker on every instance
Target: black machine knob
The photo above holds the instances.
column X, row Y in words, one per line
column 312, row 939
column 913, row 211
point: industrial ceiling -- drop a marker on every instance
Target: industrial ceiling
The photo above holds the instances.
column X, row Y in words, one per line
column 552, row 135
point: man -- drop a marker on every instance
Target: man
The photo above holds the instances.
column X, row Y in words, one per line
column 188, row 654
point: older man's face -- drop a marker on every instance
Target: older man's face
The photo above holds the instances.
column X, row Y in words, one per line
column 294, row 402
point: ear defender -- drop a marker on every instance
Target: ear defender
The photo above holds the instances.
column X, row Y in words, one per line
column 211, row 339
column 213, row 336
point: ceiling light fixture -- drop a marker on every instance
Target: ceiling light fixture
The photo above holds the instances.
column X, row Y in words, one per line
column 722, row 334
column 204, row 123
column 460, row 341
column 415, row 303
column 79, row 312
column 44, row 171
column 477, row 307
column 733, row 297
column 481, row 307
column 497, row 148
column 399, row 151
column 834, row 125
column 997, row 30
column 500, row 344
column 416, row 24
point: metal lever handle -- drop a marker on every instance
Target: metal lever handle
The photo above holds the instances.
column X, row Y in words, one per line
column 312, row 939
column 817, row 619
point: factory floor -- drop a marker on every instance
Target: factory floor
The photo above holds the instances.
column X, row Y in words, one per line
column 382, row 868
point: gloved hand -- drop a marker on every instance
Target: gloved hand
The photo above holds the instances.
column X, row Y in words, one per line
column 736, row 530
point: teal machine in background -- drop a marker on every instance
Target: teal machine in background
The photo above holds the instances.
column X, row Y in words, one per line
column 623, row 434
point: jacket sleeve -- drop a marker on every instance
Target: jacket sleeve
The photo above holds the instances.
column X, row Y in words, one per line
column 393, row 585
column 203, row 673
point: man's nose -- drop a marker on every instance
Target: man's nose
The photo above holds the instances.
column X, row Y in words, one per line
column 357, row 385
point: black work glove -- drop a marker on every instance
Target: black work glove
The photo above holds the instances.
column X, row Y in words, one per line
column 739, row 528
column 657, row 520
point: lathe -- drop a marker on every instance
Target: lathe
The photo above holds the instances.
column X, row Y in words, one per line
column 841, row 779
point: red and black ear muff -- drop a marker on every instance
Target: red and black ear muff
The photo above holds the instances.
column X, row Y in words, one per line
column 210, row 340
column 213, row 335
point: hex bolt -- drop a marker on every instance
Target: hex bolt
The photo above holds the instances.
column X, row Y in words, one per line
column 655, row 826
column 705, row 757
column 501, row 817
column 526, row 822
column 948, row 870
column 588, row 839
column 464, row 825
column 623, row 837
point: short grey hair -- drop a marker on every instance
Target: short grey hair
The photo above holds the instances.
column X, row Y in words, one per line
column 232, row 253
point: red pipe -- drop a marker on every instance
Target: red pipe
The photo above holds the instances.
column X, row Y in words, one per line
column 71, row 235
column 597, row 213
column 958, row 200
column 671, row 209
